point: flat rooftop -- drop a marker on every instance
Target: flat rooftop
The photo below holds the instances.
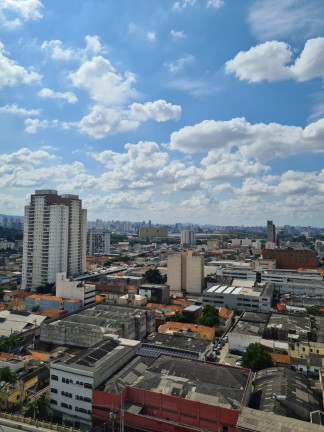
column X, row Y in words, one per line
column 209, row 383
column 90, row 359
column 294, row 324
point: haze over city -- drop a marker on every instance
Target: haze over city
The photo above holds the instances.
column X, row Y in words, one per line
column 202, row 111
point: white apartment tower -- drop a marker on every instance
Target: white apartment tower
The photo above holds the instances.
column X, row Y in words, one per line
column 98, row 241
column 54, row 238
column 188, row 237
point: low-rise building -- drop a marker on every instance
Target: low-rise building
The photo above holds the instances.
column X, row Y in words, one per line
column 173, row 394
column 73, row 378
column 192, row 330
column 70, row 289
column 241, row 294
column 159, row 291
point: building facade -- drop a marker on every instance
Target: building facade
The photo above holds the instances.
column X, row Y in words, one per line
column 98, row 241
column 271, row 232
column 54, row 238
column 188, row 237
column 186, row 272
column 291, row 259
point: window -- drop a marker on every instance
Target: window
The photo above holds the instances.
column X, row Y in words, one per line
column 303, row 349
column 77, row 397
column 53, row 390
column 63, row 380
column 18, row 397
column 70, row 395
column 87, row 399
column 87, row 385
column 53, row 402
column 64, row 405
column 62, row 393
column 54, row 377
column 225, row 429
column 76, row 409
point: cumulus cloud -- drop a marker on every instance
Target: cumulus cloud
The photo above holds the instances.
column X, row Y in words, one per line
column 47, row 93
column 183, row 4
column 271, row 61
column 103, row 121
column 12, row 75
column 14, row 12
column 56, row 50
column 158, row 110
column 14, row 109
column 271, row 19
column 102, row 81
column 180, row 63
column 25, row 156
column 261, row 141
column 32, row 125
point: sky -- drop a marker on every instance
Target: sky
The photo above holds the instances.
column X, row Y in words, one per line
column 190, row 111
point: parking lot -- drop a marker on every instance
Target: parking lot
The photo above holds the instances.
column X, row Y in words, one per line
column 225, row 357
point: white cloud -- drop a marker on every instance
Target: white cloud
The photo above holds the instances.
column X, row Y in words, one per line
column 32, row 125
column 23, row 10
column 25, row 156
column 159, row 110
column 272, row 19
column 102, row 81
column 215, row 4
column 103, row 121
column 14, row 109
column 183, row 4
column 180, row 63
column 261, row 141
column 151, row 36
column 12, row 75
column 56, row 50
column 47, row 93
column 177, row 34
column 270, row 61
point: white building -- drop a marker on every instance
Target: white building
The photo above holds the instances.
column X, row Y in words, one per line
column 54, row 238
column 73, row 378
column 186, row 272
column 98, row 241
column 70, row 289
column 241, row 295
column 188, row 237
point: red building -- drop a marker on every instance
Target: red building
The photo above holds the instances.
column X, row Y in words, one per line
column 171, row 394
column 291, row 259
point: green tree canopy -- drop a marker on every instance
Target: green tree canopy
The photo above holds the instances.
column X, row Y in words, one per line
column 154, row 276
column 256, row 357
column 7, row 375
column 210, row 316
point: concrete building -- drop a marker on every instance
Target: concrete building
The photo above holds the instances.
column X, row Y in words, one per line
column 92, row 325
column 241, row 295
column 291, row 259
column 186, row 272
column 160, row 292
column 153, row 232
column 70, row 289
column 271, row 232
column 73, row 378
column 173, row 394
column 188, row 237
column 98, row 241
column 54, row 238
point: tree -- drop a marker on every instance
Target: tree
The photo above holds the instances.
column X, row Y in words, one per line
column 256, row 357
column 313, row 310
column 7, row 375
column 210, row 316
column 154, row 276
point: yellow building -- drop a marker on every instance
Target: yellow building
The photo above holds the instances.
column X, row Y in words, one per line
column 302, row 348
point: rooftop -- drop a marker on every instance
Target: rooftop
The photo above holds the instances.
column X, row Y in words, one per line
column 210, row 383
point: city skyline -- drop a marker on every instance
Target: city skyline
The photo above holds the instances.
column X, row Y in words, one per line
column 192, row 111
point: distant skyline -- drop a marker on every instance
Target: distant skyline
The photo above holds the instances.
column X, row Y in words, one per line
column 201, row 111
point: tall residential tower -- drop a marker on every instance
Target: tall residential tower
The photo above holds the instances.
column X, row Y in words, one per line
column 54, row 238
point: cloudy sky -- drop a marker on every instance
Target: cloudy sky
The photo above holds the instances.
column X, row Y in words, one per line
column 205, row 111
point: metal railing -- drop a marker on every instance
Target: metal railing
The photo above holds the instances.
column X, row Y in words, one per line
column 38, row 423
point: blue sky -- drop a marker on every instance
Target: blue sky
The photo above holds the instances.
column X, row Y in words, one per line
column 204, row 111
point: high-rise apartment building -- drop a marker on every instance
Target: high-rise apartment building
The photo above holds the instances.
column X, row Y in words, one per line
column 271, row 232
column 98, row 241
column 186, row 272
column 54, row 238
column 188, row 237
